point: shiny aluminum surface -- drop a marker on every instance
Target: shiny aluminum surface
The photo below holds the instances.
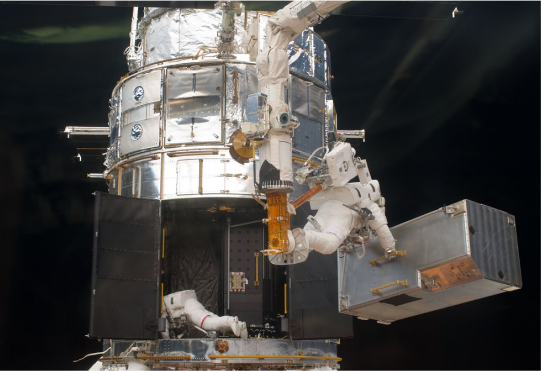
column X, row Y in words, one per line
column 178, row 33
column 194, row 105
column 198, row 111
column 140, row 135
column 432, row 240
column 220, row 175
column 150, row 83
column 187, row 105
column 241, row 81
column 329, row 117
column 262, row 20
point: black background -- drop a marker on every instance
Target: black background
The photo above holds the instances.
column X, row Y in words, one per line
column 451, row 111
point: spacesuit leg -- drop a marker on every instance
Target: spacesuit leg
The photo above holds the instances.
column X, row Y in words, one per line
column 336, row 222
column 201, row 317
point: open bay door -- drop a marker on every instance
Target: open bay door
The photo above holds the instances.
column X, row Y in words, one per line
column 126, row 293
column 313, row 295
column 313, row 309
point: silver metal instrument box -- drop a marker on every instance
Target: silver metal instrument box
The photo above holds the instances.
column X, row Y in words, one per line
column 450, row 256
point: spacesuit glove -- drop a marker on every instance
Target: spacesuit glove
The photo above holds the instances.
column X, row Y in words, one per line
column 390, row 253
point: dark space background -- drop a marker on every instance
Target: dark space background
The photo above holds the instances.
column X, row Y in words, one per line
column 451, row 109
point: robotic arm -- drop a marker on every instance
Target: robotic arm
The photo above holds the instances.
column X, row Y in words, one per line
column 269, row 124
column 269, row 128
column 272, row 64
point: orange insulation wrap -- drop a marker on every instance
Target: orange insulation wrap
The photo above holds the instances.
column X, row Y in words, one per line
column 307, row 196
column 278, row 222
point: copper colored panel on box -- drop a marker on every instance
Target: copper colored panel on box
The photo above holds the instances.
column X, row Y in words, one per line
column 451, row 274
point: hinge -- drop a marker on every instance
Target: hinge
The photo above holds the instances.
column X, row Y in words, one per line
column 454, row 209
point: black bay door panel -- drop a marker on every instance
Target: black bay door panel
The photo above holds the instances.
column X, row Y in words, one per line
column 126, row 268
column 313, row 294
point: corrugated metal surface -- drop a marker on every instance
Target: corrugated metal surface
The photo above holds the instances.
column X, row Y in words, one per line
column 300, row 54
column 428, row 241
column 309, row 57
column 319, row 58
column 308, row 104
column 493, row 243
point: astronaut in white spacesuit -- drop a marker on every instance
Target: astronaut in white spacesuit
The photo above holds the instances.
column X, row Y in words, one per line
column 336, row 219
column 186, row 303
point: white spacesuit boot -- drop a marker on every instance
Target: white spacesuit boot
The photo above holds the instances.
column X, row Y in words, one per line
column 243, row 330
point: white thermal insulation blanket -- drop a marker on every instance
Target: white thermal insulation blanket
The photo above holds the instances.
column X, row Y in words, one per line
column 282, row 28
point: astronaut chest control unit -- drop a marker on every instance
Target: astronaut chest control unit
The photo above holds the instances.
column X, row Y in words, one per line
column 233, row 235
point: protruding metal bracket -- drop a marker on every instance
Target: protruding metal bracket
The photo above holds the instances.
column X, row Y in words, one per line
column 237, row 282
column 374, row 262
column 454, row 209
column 352, row 134
column 344, row 300
column 375, row 291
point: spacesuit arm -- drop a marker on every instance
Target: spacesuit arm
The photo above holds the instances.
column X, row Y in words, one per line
column 379, row 224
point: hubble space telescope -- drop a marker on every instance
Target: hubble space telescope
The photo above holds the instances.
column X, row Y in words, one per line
column 233, row 234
